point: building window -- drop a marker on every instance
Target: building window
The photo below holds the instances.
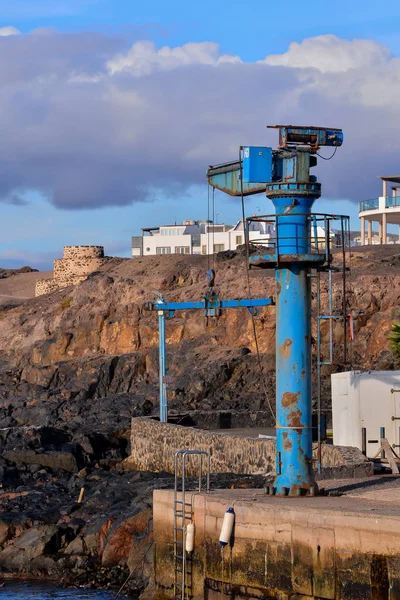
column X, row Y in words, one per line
column 239, row 240
column 219, row 247
column 172, row 230
column 182, row 249
column 163, row 250
column 204, row 249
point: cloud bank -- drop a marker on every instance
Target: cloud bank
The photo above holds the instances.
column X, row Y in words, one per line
column 89, row 123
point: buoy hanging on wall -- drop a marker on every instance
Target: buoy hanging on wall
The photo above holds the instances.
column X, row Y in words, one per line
column 190, row 537
column 227, row 527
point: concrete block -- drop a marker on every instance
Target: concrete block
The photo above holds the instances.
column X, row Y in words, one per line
column 353, row 575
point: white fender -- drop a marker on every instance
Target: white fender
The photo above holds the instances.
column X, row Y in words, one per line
column 227, row 527
column 190, row 537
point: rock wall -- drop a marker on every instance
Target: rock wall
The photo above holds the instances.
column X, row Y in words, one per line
column 78, row 262
column 45, row 286
column 154, row 445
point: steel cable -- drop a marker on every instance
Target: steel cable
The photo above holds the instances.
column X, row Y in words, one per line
column 246, row 238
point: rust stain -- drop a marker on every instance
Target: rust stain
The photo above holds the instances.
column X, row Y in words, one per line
column 278, row 288
column 294, row 418
column 289, row 398
column 285, row 348
column 287, row 444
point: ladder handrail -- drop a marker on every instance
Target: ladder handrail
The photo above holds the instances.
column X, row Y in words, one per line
column 182, row 514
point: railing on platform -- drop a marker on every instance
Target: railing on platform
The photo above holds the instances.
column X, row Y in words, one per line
column 368, row 205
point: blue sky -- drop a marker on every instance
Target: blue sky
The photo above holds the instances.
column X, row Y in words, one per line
column 87, row 36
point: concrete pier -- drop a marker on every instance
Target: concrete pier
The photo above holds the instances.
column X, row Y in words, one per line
column 332, row 548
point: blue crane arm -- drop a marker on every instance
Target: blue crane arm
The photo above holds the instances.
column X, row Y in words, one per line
column 226, row 177
column 245, row 303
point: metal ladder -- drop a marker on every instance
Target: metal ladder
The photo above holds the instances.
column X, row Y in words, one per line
column 183, row 512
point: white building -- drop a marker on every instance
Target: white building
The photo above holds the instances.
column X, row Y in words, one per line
column 384, row 210
column 199, row 237
column 366, row 408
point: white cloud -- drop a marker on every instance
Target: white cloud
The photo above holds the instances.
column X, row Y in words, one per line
column 331, row 54
column 9, row 30
column 144, row 58
column 97, row 126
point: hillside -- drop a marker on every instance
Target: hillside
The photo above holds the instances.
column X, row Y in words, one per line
column 95, row 341
column 77, row 364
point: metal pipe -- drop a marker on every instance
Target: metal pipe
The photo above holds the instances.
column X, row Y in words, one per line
column 344, row 299
column 382, row 436
column 364, row 441
column 163, row 367
column 330, row 316
column 319, row 367
column 293, row 351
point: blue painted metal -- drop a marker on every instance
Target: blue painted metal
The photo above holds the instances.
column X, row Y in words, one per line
column 162, row 365
column 203, row 304
column 293, row 353
column 257, row 164
column 211, row 306
column 313, row 137
column 227, row 178
column 293, row 191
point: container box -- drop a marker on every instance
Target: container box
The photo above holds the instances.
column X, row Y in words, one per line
column 368, row 400
column 257, row 164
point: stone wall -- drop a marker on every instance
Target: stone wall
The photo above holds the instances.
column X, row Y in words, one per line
column 45, row 286
column 78, row 262
column 153, row 447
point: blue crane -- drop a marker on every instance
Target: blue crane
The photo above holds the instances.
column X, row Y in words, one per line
column 284, row 175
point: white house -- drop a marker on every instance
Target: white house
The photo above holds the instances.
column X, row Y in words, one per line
column 384, row 210
column 198, row 237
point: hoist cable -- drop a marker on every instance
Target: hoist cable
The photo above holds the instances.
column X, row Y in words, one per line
column 208, row 228
column 213, row 229
column 329, row 157
column 246, row 237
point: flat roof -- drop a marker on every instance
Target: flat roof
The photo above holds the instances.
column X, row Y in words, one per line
column 392, row 178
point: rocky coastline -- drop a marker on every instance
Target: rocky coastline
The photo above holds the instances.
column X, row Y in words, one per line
column 77, row 364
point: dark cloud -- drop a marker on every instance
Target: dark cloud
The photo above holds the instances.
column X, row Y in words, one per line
column 16, row 200
column 89, row 123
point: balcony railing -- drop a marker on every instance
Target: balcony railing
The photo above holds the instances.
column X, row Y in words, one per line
column 369, row 205
column 392, row 201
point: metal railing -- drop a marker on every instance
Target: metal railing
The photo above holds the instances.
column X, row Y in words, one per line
column 324, row 233
column 368, row 205
column 183, row 513
column 373, row 204
column 392, row 201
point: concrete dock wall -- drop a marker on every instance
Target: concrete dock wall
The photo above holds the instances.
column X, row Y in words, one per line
column 320, row 548
column 153, row 447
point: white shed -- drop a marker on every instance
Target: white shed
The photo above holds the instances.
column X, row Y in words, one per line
column 369, row 401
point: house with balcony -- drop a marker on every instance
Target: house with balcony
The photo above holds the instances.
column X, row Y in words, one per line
column 198, row 237
column 384, row 211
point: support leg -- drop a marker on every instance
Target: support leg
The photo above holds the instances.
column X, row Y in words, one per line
column 369, row 225
column 384, row 229
column 293, row 374
column 163, row 369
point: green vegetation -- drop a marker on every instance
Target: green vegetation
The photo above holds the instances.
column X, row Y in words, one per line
column 394, row 339
column 66, row 303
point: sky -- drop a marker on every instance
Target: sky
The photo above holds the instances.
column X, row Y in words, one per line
column 111, row 111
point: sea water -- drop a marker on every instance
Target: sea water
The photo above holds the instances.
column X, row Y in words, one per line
column 36, row 591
